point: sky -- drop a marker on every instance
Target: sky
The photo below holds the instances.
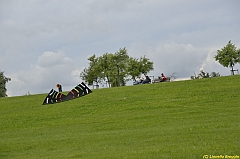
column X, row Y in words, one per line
column 45, row 42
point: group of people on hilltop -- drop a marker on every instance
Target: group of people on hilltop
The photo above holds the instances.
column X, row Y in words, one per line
column 140, row 80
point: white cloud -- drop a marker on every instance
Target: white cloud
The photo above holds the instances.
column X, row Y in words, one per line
column 50, row 59
column 51, row 68
column 169, row 57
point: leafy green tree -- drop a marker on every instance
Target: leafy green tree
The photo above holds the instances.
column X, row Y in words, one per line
column 115, row 68
column 85, row 76
column 107, row 65
column 139, row 66
column 3, row 81
column 145, row 65
column 93, row 72
column 120, row 59
column 134, row 68
column 228, row 56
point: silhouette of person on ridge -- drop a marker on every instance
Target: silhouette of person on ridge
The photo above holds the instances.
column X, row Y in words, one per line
column 59, row 87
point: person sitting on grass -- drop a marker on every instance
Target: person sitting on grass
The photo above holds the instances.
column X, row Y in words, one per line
column 163, row 78
column 138, row 80
column 147, row 80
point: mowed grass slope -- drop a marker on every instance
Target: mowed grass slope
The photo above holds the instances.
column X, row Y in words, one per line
column 185, row 119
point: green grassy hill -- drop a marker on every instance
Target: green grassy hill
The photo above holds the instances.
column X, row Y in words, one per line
column 185, row 119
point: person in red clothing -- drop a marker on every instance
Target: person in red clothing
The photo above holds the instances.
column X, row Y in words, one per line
column 163, row 77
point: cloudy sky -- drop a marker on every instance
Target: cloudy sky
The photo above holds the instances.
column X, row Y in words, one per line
column 45, row 42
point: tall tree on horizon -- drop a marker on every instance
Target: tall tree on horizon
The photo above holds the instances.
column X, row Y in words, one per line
column 228, row 56
column 115, row 68
column 139, row 66
column 3, row 81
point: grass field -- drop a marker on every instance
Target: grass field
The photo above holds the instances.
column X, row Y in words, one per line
column 185, row 119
